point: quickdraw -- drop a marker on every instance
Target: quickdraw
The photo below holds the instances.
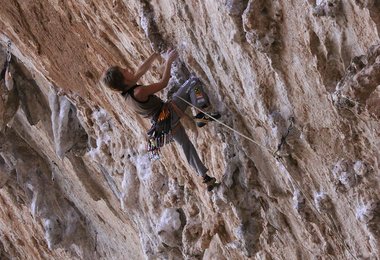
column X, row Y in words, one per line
column 283, row 138
column 9, row 53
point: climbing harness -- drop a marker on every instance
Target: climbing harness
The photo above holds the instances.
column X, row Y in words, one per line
column 7, row 60
column 160, row 133
column 162, row 129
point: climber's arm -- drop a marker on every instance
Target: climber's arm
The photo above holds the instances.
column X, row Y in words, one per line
column 143, row 68
column 142, row 93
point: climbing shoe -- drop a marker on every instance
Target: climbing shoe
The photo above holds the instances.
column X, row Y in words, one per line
column 210, row 182
column 202, row 119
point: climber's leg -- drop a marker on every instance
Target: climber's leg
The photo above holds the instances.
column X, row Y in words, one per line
column 191, row 154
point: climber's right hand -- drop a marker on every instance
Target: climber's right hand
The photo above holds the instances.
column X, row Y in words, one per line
column 171, row 55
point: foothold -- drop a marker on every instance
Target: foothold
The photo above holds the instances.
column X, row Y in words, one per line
column 53, row 232
column 149, row 25
column 130, row 187
column 360, row 168
column 169, row 221
column 327, row 8
column 298, row 201
column 69, row 135
column 168, row 227
column 261, row 24
column 323, row 202
column 365, row 212
column 365, row 3
column 357, row 63
column 174, row 196
column 359, row 86
column 235, row 7
column 192, row 233
column 348, row 173
column 278, row 124
column 5, row 172
column 102, row 131
column 9, row 103
column 35, row 204
column 347, row 179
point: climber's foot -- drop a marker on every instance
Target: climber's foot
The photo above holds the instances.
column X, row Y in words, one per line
column 202, row 119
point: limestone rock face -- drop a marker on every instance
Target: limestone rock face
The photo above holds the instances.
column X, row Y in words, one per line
column 298, row 77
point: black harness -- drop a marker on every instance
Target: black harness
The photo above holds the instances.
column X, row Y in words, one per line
column 161, row 131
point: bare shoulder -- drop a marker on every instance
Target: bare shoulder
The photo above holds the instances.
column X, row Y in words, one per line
column 140, row 93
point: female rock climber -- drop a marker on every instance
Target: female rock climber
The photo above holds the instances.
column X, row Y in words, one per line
column 164, row 116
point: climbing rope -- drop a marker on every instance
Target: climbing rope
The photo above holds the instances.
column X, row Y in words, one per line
column 278, row 158
column 227, row 126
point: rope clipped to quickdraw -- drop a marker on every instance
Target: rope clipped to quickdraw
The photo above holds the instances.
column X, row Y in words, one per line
column 160, row 133
column 283, row 138
column 7, row 60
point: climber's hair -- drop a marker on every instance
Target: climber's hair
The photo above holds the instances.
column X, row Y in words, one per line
column 114, row 79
